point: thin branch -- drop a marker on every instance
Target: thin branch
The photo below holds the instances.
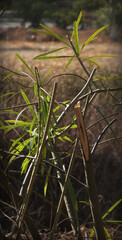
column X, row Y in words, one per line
column 80, row 98
column 65, row 74
column 75, row 99
column 100, row 136
column 19, row 74
column 101, row 119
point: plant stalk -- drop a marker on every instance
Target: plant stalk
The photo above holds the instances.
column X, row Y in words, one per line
column 89, row 175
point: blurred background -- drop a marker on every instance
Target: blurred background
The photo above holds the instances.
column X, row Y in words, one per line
column 21, row 13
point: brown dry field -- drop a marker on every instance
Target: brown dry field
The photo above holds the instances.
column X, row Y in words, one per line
column 19, row 41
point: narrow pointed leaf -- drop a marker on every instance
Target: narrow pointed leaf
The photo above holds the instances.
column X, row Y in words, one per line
column 23, row 61
column 78, row 21
column 51, row 57
column 48, row 53
column 69, row 62
column 6, row 94
column 46, row 181
column 91, row 61
column 107, row 234
column 76, row 37
column 54, row 34
column 93, row 36
column 28, row 102
column 112, row 208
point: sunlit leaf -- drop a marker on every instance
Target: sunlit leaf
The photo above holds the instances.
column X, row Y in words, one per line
column 28, row 102
column 55, row 35
column 76, row 37
column 107, row 234
column 92, row 37
column 77, row 21
column 70, row 61
column 67, row 138
column 46, row 181
column 74, row 126
column 25, row 165
column 112, row 208
column 91, row 61
column 23, row 61
column 84, row 202
column 47, row 53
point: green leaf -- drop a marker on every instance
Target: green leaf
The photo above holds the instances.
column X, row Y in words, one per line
column 13, row 112
column 74, row 126
column 91, row 61
column 72, row 194
column 46, row 181
column 54, row 34
column 112, row 208
column 84, row 202
column 103, row 78
column 33, row 140
column 51, row 57
column 22, row 60
column 28, row 102
column 47, row 53
column 79, row 18
column 6, row 94
column 21, row 124
column 16, row 142
column 25, row 165
column 92, row 233
column 47, row 74
column 19, row 149
column 32, row 125
column 2, row 125
column 76, row 37
column 61, row 139
column 92, row 37
column 114, row 221
column 67, row 138
column 69, row 62
column 107, row 234
column 77, row 21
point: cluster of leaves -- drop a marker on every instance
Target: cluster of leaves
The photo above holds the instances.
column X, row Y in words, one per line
column 42, row 129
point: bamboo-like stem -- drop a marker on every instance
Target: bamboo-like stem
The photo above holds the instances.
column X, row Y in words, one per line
column 30, row 177
column 75, row 226
column 89, row 175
